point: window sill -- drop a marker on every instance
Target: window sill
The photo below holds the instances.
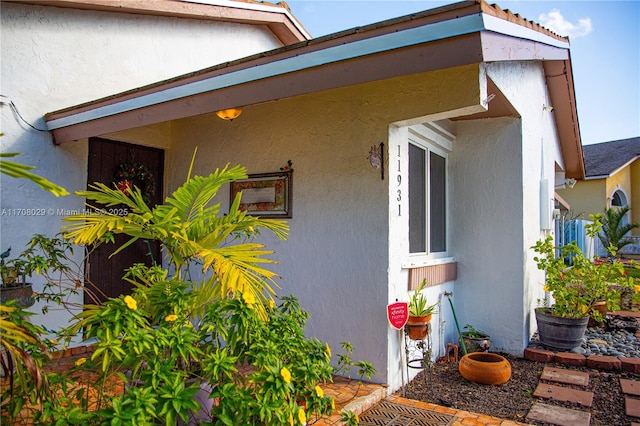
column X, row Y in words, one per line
column 420, row 262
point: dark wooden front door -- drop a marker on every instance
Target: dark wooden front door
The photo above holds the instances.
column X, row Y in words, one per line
column 104, row 273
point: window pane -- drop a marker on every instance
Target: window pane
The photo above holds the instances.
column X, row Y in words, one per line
column 437, row 203
column 616, row 200
column 417, row 204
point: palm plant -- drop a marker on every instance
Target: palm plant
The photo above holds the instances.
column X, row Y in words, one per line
column 191, row 231
column 22, row 354
column 18, row 170
column 614, row 230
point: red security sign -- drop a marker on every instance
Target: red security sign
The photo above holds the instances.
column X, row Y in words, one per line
column 398, row 314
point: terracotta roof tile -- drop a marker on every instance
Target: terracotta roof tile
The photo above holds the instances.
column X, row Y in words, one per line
column 506, row 14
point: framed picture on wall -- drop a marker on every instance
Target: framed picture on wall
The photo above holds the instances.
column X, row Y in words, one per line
column 265, row 194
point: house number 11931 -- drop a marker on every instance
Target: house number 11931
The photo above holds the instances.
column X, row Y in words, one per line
column 399, row 179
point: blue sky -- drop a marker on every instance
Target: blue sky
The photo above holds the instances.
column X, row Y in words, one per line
column 605, row 49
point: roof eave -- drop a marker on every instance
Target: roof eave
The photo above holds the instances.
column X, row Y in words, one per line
column 458, row 37
column 559, row 78
column 278, row 19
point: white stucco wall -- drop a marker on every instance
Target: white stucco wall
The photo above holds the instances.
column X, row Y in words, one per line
column 54, row 58
column 498, row 165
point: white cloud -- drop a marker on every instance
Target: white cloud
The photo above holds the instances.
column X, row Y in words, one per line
column 559, row 25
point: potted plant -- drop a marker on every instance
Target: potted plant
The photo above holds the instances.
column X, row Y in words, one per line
column 14, row 285
column 576, row 284
column 420, row 313
column 475, row 340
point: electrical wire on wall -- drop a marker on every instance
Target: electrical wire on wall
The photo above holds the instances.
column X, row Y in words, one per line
column 6, row 100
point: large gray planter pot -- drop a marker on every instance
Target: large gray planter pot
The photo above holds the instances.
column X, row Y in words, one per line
column 560, row 333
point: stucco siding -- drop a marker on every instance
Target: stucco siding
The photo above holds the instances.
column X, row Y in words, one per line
column 620, row 181
column 487, row 228
column 498, row 167
column 594, row 195
column 635, row 195
column 586, row 197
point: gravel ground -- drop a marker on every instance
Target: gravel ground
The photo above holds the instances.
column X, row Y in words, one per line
column 513, row 400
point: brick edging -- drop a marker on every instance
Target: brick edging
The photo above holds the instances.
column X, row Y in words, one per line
column 77, row 350
column 599, row 362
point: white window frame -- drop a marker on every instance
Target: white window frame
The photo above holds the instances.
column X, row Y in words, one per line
column 426, row 138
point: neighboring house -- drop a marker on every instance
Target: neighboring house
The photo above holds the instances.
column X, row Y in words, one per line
column 460, row 100
column 612, row 179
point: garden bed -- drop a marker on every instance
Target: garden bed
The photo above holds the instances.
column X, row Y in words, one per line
column 513, row 400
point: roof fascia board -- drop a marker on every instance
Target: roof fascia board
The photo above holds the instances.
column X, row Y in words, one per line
column 254, row 6
column 280, row 20
column 368, row 46
column 561, row 200
column 499, row 25
column 559, row 78
column 387, row 65
column 396, row 40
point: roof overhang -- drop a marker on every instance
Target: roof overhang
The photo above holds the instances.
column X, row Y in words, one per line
column 277, row 18
column 562, row 96
column 450, row 36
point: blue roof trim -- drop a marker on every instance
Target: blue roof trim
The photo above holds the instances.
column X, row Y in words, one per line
column 413, row 36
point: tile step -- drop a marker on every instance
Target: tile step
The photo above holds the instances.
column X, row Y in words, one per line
column 560, row 416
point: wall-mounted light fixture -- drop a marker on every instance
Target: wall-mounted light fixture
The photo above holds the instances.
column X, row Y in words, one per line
column 489, row 98
column 376, row 158
column 566, row 183
column 229, row 114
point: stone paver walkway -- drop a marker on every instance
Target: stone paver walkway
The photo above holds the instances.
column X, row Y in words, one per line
column 631, row 390
column 567, row 387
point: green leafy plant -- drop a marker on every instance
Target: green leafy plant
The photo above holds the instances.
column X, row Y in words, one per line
column 17, row 170
column 179, row 344
column 614, row 230
column 471, row 332
column 418, row 306
column 21, row 358
column 193, row 233
column 576, row 282
column 349, row 418
column 22, row 349
column 219, row 349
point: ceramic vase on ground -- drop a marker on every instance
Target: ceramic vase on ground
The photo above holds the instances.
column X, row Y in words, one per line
column 418, row 327
column 560, row 333
column 485, row 368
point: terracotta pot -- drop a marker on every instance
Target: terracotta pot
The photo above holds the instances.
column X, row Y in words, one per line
column 418, row 327
column 485, row 367
column 600, row 307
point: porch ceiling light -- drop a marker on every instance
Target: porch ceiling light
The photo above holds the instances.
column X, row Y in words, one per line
column 229, row 114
